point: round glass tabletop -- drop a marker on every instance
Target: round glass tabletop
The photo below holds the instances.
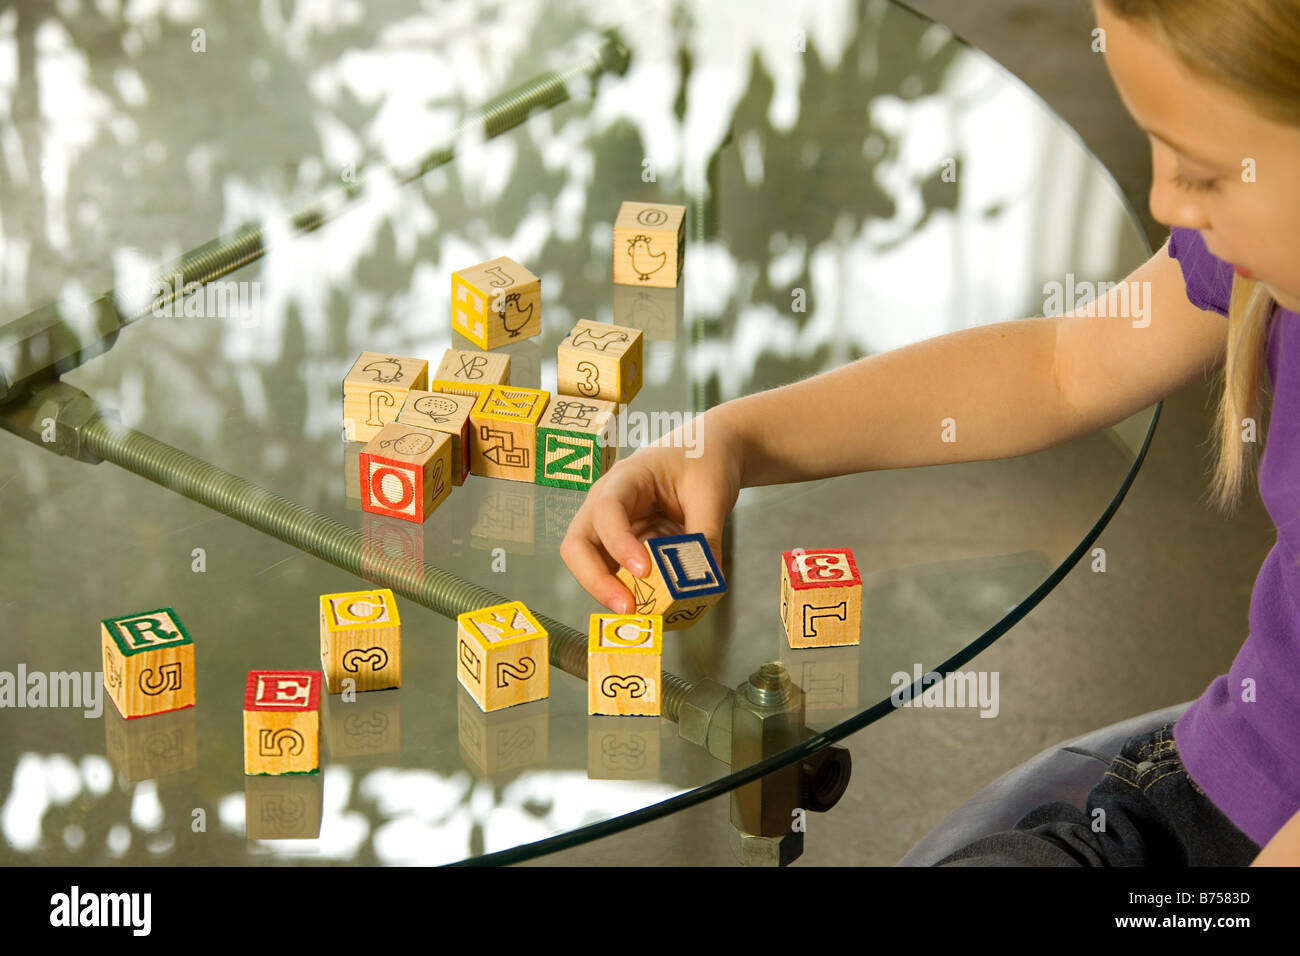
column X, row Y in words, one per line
column 855, row 179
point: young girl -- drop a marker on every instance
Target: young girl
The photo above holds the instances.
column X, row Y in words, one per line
column 1216, row 87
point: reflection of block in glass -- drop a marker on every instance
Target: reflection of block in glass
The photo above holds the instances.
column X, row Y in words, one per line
column 372, row 724
column 352, row 474
column 622, row 748
column 653, row 311
column 558, row 509
column 828, row 676
column 507, row 518
column 491, row 743
column 159, row 748
column 384, row 539
column 282, row 808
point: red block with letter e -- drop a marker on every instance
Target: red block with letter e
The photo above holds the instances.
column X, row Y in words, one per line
column 148, row 662
column 821, row 597
column 502, row 656
column 282, row 722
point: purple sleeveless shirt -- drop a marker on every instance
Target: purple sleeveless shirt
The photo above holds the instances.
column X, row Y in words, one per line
column 1240, row 742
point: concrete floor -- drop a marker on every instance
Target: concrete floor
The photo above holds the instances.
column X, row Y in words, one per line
column 1152, row 631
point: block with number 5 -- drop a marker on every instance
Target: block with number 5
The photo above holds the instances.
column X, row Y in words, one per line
column 821, row 597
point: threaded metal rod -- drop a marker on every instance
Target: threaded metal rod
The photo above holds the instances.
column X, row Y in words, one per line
column 327, row 539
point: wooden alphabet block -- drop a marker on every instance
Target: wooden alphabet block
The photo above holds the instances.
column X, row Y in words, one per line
column 446, row 413
column 406, row 472
column 374, row 390
column 821, row 597
column 282, row 722
column 597, row 360
column 148, row 662
column 361, row 639
column 502, row 656
column 468, row 389
column 503, row 432
column 684, row 580
column 649, row 244
column 575, row 442
column 475, row 368
column 496, row 302
column 624, row 655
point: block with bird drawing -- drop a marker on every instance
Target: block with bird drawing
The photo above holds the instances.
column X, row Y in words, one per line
column 503, row 432
column 502, row 656
column 683, row 582
column 496, row 302
column 406, row 472
column 598, row 360
column 361, row 640
column 576, row 442
column 447, row 413
column 374, row 390
column 649, row 244
column 624, row 655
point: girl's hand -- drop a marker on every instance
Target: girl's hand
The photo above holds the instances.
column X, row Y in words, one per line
column 659, row 490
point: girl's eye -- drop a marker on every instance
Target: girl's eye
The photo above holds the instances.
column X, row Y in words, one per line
column 1195, row 185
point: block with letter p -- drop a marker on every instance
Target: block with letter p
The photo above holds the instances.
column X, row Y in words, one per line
column 684, row 581
column 148, row 662
column 502, row 656
column 624, row 664
column 821, row 597
column 361, row 639
column 282, row 722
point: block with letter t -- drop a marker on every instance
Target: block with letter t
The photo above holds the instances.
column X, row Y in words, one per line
column 683, row 582
column 361, row 639
column 821, row 597
column 148, row 662
column 282, row 722
column 502, row 656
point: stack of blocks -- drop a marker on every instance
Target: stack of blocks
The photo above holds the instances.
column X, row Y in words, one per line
column 821, row 597
column 282, row 722
column 374, row 390
column 361, row 640
column 502, row 656
column 624, row 655
column 148, row 662
column 683, row 582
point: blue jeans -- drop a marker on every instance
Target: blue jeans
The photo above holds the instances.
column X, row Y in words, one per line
column 1153, row 814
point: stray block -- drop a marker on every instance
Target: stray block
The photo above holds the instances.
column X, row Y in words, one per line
column 624, row 664
column 361, row 639
column 649, row 244
column 506, row 519
column 575, row 444
column 502, row 656
column 406, row 472
column 684, row 580
column 282, row 722
column 597, row 360
column 476, row 368
column 373, row 392
column 148, row 662
column 821, row 598
column 446, row 413
column 503, row 432
column 496, row 302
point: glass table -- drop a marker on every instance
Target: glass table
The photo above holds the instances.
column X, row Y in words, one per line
column 856, row 179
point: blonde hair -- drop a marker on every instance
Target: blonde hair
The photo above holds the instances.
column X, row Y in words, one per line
column 1252, row 49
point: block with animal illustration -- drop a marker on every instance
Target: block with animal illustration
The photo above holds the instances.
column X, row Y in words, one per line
column 576, row 442
column 475, row 368
column 361, row 640
column 406, row 472
column 374, row 390
column 503, row 432
column 148, row 662
column 624, row 664
column 496, row 302
column 821, row 597
column 282, row 722
column 649, row 244
column 597, row 360
column 683, row 582
column 502, row 656
column 447, row 413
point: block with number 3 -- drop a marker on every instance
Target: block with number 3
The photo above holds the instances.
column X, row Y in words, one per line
column 821, row 597
column 624, row 664
column 502, row 656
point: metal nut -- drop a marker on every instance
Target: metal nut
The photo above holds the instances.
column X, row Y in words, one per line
column 751, row 850
column 697, row 710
